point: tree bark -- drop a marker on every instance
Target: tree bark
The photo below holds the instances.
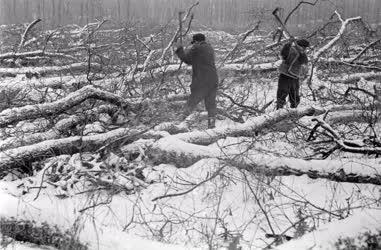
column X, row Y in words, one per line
column 21, row 156
column 61, row 127
column 49, row 70
column 355, row 77
column 256, row 124
column 170, row 150
column 37, row 53
column 14, row 115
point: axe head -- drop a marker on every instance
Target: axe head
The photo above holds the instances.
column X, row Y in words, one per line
column 275, row 12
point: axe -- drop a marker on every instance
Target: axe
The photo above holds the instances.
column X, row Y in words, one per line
column 181, row 27
column 275, row 14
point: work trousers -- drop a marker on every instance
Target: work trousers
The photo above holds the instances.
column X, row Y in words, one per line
column 208, row 94
column 288, row 86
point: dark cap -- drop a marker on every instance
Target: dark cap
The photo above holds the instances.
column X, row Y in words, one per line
column 303, row 43
column 199, row 37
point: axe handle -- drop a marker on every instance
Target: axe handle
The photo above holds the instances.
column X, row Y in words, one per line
column 181, row 28
column 283, row 26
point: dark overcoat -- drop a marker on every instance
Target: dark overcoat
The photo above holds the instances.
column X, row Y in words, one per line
column 201, row 57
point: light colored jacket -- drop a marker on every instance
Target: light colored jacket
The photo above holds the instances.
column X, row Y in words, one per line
column 292, row 61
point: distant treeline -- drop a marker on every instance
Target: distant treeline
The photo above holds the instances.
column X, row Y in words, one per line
column 223, row 14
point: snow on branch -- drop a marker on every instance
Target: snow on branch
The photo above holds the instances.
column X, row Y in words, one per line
column 345, row 145
column 344, row 24
column 171, row 150
column 50, row 69
column 355, row 77
column 22, row 156
column 61, row 127
column 256, row 124
column 13, row 115
column 37, row 53
column 54, row 133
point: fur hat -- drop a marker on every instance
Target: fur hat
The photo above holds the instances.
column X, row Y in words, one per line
column 303, row 43
column 199, row 37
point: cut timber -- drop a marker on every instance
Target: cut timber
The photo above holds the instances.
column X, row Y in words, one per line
column 226, row 69
column 256, row 124
column 355, row 77
column 54, row 133
column 50, row 70
column 61, row 128
column 350, row 116
column 170, row 150
column 13, row 115
column 37, row 53
column 22, row 156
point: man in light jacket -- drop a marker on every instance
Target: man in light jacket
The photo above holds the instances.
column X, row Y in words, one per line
column 293, row 57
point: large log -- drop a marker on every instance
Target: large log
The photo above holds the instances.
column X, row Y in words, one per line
column 257, row 124
column 36, row 53
column 54, row 133
column 50, row 69
column 14, row 115
column 171, row 150
column 61, row 128
column 21, row 156
column 355, row 77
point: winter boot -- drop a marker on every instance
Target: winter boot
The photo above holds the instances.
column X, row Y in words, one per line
column 211, row 122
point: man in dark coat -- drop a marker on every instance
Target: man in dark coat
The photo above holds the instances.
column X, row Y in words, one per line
column 293, row 57
column 204, row 76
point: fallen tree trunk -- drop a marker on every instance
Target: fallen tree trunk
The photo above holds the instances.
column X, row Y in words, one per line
column 355, row 77
column 51, row 69
column 256, row 124
column 233, row 68
column 55, row 82
column 350, row 116
column 54, row 133
column 62, row 127
column 37, row 53
column 21, row 156
column 13, row 115
column 170, row 150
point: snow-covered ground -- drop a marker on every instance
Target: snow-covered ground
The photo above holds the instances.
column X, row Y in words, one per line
column 176, row 219
column 326, row 236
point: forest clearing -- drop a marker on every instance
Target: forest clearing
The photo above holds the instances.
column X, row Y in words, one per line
column 94, row 153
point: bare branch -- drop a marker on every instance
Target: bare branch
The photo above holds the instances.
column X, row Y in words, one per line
column 345, row 145
column 364, row 50
column 177, row 34
column 24, row 35
column 344, row 24
column 296, row 7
